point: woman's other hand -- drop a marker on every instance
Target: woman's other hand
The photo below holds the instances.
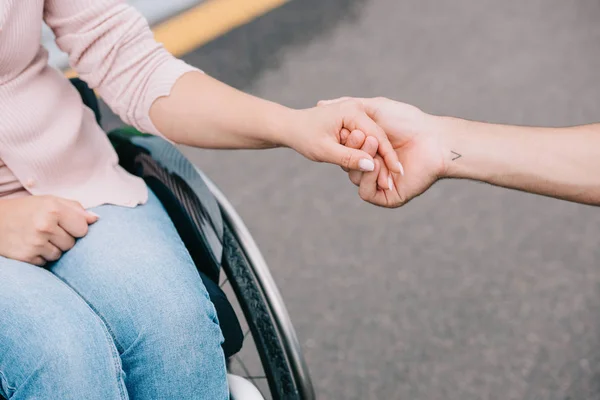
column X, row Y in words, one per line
column 38, row 229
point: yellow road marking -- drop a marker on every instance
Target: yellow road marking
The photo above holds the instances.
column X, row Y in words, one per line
column 205, row 22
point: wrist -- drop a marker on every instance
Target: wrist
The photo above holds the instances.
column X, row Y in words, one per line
column 469, row 149
column 449, row 131
column 281, row 125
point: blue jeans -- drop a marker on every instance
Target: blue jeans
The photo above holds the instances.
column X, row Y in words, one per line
column 122, row 315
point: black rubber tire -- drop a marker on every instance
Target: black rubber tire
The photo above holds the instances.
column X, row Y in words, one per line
column 260, row 321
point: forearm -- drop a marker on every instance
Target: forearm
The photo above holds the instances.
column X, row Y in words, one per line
column 557, row 162
column 203, row 112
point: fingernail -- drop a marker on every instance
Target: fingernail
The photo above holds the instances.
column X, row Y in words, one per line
column 401, row 168
column 366, row 165
column 390, row 183
column 93, row 214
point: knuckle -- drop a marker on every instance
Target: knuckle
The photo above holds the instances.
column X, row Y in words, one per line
column 81, row 230
column 38, row 242
column 39, row 261
column 54, row 254
column 352, row 105
column 69, row 243
column 44, row 224
column 77, row 204
column 52, row 205
column 346, row 160
column 352, row 141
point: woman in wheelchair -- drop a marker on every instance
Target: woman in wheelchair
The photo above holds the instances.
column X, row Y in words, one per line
column 100, row 298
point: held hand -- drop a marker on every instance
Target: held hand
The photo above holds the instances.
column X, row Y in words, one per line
column 38, row 229
column 319, row 136
column 415, row 138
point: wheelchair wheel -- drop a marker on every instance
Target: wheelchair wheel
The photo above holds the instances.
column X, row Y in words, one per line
column 270, row 357
column 262, row 359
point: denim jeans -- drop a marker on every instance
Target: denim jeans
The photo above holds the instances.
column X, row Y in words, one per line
column 122, row 315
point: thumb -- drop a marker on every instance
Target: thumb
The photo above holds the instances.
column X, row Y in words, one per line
column 91, row 217
column 350, row 159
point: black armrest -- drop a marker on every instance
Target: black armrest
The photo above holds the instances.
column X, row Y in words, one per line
column 88, row 96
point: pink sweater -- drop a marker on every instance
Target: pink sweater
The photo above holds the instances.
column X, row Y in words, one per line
column 50, row 142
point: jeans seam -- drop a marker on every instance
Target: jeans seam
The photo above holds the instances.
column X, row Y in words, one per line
column 112, row 342
column 105, row 323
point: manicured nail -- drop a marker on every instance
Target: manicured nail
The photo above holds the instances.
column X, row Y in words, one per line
column 390, row 183
column 401, row 168
column 366, row 165
column 93, row 214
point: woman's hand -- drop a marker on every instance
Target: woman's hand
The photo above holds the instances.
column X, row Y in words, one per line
column 415, row 139
column 320, row 130
column 38, row 229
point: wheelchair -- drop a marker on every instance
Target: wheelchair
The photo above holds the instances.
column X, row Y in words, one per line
column 264, row 358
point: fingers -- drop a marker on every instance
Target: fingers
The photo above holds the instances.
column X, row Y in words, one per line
column 344, row 133
column 75, row 224
column 50, row 252
column 368, row 186
column 384, row 180
column 358, row 119
column 355, row 177
column 346, row 157
column 90, row 217
column 74, row 219
column 371, row 106
column 61, row 239
column 39, row 261
column 370, row 146
column 356, row 140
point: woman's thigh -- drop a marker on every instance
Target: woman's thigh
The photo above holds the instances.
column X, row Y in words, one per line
column 135, row 272
column 52, row 345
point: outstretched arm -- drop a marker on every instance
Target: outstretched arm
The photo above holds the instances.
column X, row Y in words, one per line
column 562, row 163
column 112, row 48
column 557, row 162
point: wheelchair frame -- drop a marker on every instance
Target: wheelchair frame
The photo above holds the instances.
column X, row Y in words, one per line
column 267, row 284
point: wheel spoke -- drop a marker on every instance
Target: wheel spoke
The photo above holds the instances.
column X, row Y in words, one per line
column 239, row 360
column 250, row 377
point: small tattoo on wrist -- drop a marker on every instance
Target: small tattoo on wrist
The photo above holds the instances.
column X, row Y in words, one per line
column 455, row 155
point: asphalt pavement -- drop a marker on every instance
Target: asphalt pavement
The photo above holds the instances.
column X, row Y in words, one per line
column 470, row 291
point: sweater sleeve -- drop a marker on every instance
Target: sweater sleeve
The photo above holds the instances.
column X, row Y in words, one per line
column 112, row 48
